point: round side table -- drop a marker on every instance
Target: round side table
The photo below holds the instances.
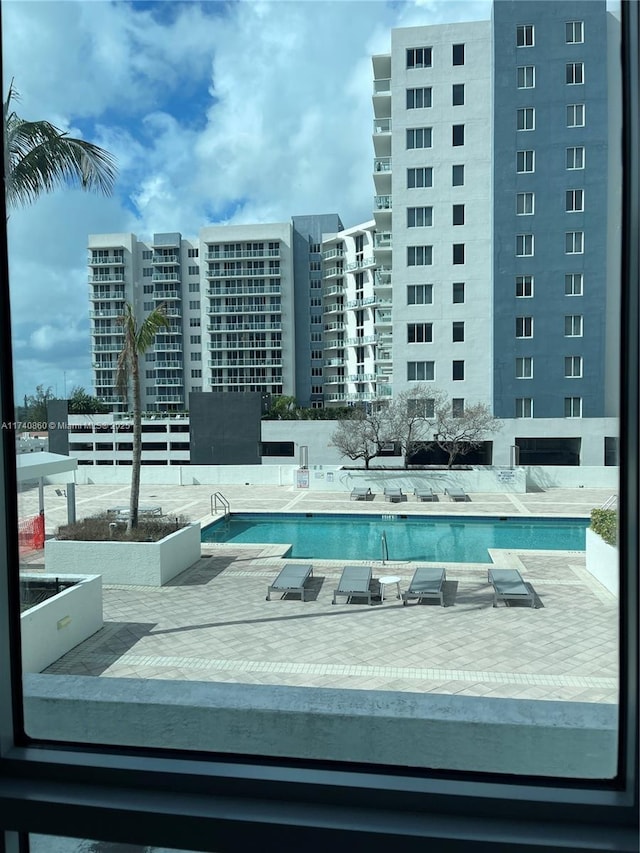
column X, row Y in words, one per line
column 385, row 581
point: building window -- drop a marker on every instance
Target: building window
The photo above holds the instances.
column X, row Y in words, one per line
column 420, row 371
column 457, row 407
column 419, row 98
column 575, row 115
column 573, row 367
column 458, row 54
column 457, row 94
column 195, row 356
column 419, row 216
column 192, row 253
column 526, row 76
column 458, row 214
column 575, row 157
column 316, row 371
column 457, row 135
column 419, row 256
column 524, row 204
column 524, row 407
column 526, row 118
column 574, row 243
column 147, row 306
column 419, row 177
column 573, row 326
column 524, row 327
column 574, row 73
column 573, row 407
column 195, row 339
column 194, row 304
column 196, row 373
column 524, row 245
column 458, row 292
column 421, row 408
column 147, row 255
column 573, row 284
column 524, row 367
column 457, row 371
column 194, row 270
column 525, row 35
column 574, row 201
column 457, row 331
column 524, row 286
column 419, row 333
column 418, row 137
column 194, row 321
column 458, row 253
column 574, row 32
column 525, row 161
column 419, row 294
column 194, row 287
column 147, row 272
column 419, row 57
column 457, row 175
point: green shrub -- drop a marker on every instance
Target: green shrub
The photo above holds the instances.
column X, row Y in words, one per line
column 604, row 522
column 102, row 528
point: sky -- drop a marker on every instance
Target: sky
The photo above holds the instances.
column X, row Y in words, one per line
column 217, row 112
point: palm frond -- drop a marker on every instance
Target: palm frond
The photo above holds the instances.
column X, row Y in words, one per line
column 150, row 327
column 40, row 157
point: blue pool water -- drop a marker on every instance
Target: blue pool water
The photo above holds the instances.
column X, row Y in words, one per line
column 411, row 537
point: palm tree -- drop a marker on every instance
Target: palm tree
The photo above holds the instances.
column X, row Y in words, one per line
column 40, row 157
column 137, row 340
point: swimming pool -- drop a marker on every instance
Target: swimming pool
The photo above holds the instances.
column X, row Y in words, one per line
column 408, row 537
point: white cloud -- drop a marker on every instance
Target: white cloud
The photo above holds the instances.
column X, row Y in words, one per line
column 252, row 111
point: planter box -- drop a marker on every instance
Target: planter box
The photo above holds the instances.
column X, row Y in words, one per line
column 603, row 562
column 52, row 628
column 136, row 563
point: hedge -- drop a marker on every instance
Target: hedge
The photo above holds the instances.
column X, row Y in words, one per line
column 604, row 522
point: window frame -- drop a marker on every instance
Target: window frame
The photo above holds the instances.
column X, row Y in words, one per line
column 574, row 149
column 576, row 115
column 525, row 119
column 522, row 155
column 525, row 77
column 523, row 401
column 528, row 32
column 525, row 197
column 240, row 802
column 424, row 171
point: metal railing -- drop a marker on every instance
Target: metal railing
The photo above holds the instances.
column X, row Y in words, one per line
column 610, row 503
column 219, row 498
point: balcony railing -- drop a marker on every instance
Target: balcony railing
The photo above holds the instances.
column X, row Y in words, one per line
column 240, row 327
column 165, row 365
column 382, row 125
column 383, row 277
column 225, row 345
column 244, row 272
column 382, row 86
column 106, row 276
column 382, row 164
column 333, row 380
column 382, row 202
column 246, row 362
column 336, row 252
column 114, row 347
column 383, row 317
column 100, row 295
column 367, row 339
column 333, row 271
column 361, row 264
column 333, row 308
column 241, row 253
column 382, row 240
column 249, row 290
column 362, row 377
column 168, row 398
column 166, row 276
column 108, row 260
column 333, row 362
column 110, row 312
column 165, row 259
column 333, row 289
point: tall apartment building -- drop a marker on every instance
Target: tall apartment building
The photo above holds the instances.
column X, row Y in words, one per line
column 497, row 176
column 240, row 302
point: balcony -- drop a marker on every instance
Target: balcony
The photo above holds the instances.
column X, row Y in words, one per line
column 382, row 240
column 333, row 289
column 245, row 309
column 362, row 377
column 166, row 276
column 382, row 164
column 104, row 365
column 382, row 87
column 334, row 362
column 113, row 347
column 110, row 398
column 381, row 126
column 165, row 259
column 252, row 345
column 333, row 308
column 238, row 254
column 333, row 380
column 336, row 252
column 383, row 317
column 249, row 290
column 382, row 277
column 246, row 362
column 111, row 312
column 159, row 295
column 246, row 380
column 96, row 295
column 240, row 327
column 244, row 272
column 332, row 272
column 361, row 264
column 106, row 260
column 382, row 202
column 336, row 342
column 168, row 398
column 159, row 346
column 365, row 302
column 106, row 276
column 165, row 365
column 367, row 339
column 383, row 354
column 164, row 380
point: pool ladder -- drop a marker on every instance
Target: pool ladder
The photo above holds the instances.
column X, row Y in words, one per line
column 219, row 498
column 384, row 547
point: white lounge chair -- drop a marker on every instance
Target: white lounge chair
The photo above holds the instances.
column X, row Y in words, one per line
column 361, row 493
column 509, row 586
column 354, row 581
column 291, row 579
column 425, row 493
column 426, row 583
column 456, row 494
column 393, row 494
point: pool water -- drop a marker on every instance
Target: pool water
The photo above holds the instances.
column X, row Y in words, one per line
column 412, row 537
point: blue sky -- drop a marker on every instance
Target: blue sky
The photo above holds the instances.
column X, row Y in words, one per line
column 248, row 111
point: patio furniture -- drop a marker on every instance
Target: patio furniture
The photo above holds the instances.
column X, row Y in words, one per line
column 456, row 494
column 61, row 493
column 354, row 581
column 393, row 494
column 426, row 583
column 425, row 493
column 509, row 586
column 123, row 511
column 361, row 493
column 291, row 579
column 389, row 580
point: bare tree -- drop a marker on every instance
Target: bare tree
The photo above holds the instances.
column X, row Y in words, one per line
column 412, row 418
column 459, row 432
column 360, row 435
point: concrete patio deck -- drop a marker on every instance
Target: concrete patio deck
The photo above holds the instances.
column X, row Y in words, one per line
column 212, row 623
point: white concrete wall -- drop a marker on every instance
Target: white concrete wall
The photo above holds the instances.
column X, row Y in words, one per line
column 139, row 563
column 52, row 628
column 454, row 732
column 541, row 477
column 603, row 562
